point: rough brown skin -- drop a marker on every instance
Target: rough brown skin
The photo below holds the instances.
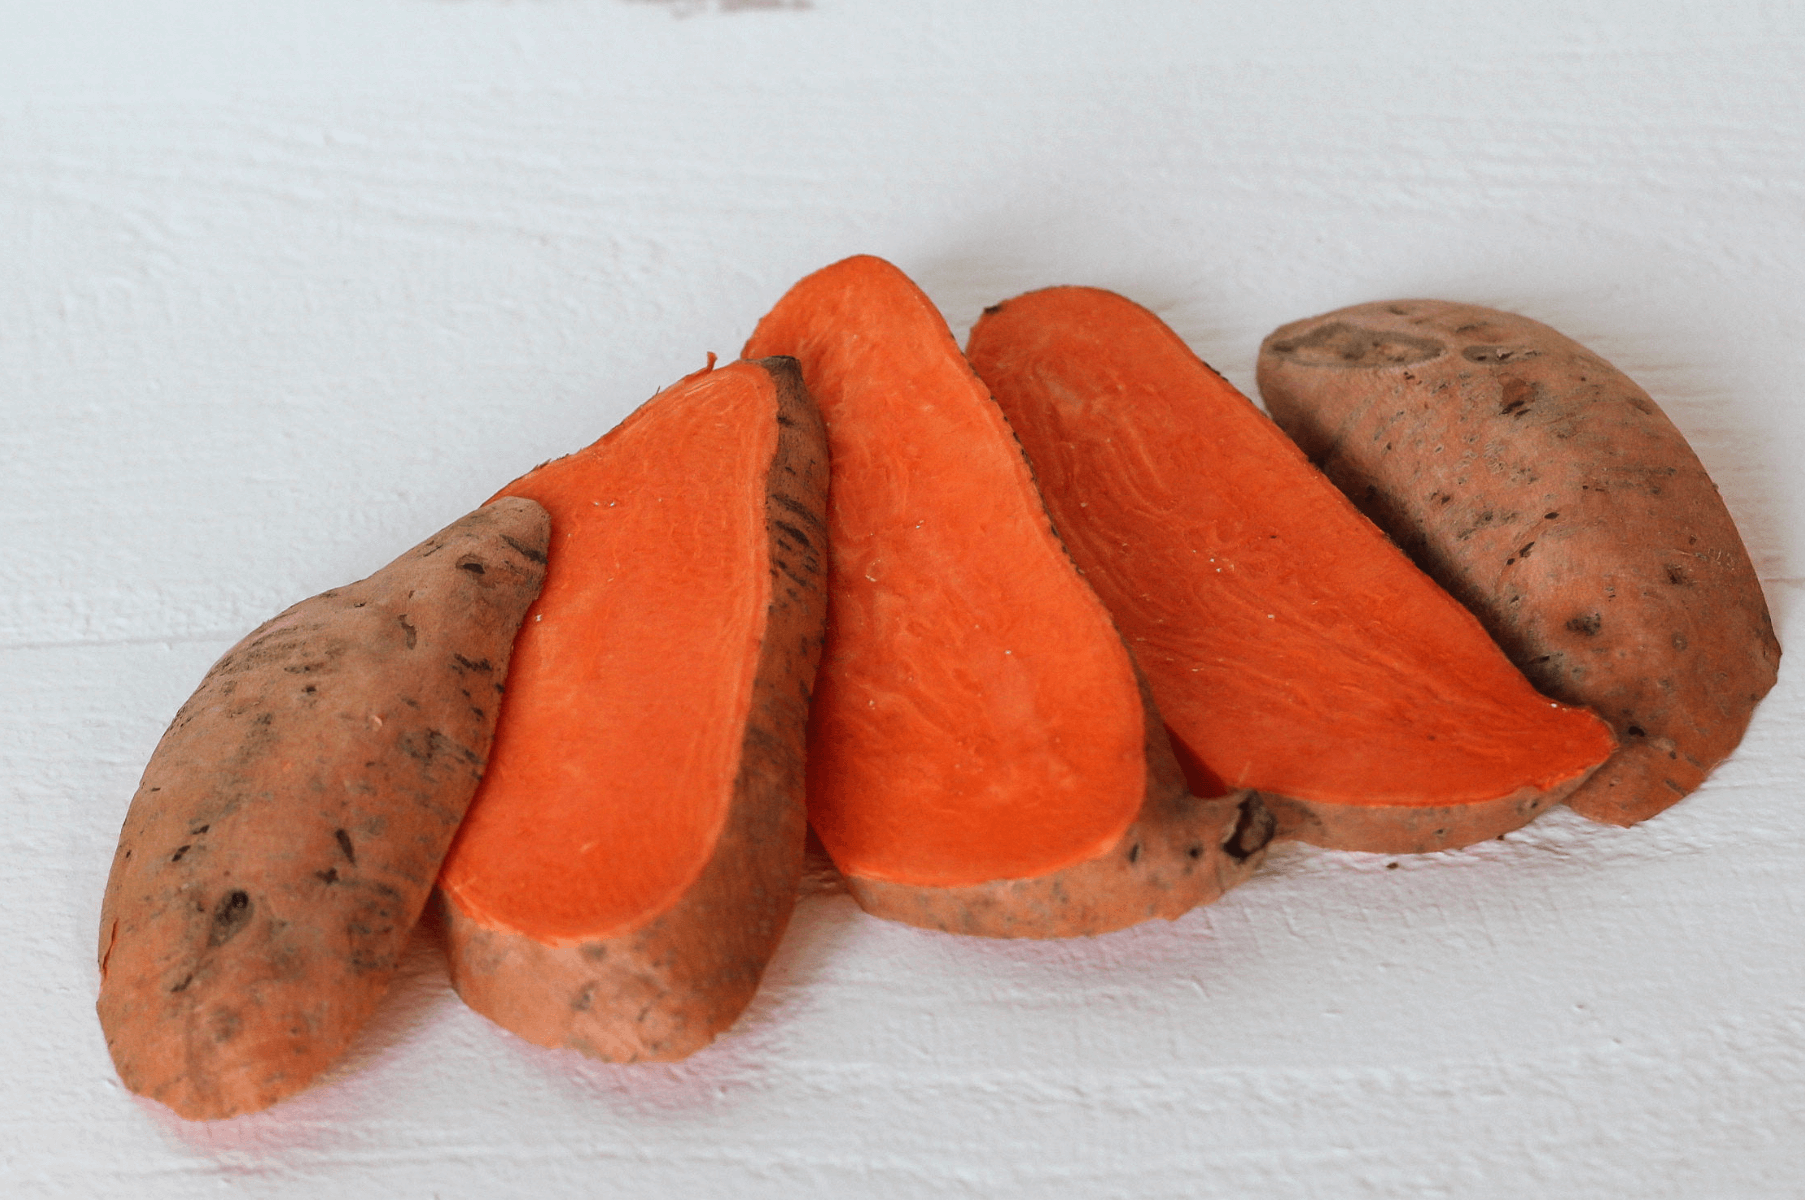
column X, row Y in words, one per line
column 1180, row 852
column 665, row 990
column 291, row 822
column 1554, row 499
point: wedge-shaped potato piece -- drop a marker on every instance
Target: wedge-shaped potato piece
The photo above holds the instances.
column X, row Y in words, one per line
column 983, row 757
column 292, row 820
column 1555, row 499
column 1290, row 645
column 635, row 851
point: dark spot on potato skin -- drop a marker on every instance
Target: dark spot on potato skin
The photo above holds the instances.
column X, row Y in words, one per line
column 526, row 552
column 344, row 845
column 412, row 634
column 1340, row 344
column 472, row 566
column 1517, row 395
column 1254, row 827
column 230, row 915
column 1586, row 624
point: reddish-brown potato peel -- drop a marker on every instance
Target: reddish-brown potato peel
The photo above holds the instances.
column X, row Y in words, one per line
column 1553, row 498
column 292, row 819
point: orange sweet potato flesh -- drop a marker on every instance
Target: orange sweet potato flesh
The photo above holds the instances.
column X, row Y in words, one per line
column 292, row 820
column 1556, row 500
column 982, row 755
column 634, row 854
column 1289, row 645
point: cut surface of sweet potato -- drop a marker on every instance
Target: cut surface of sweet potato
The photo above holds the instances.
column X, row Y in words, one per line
column 981, row 752
column 1289, row 645
column 633, row 856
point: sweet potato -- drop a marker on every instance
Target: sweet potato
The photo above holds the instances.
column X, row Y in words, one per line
column 983, row 757
column 635, row 850
column 1290, row 646
column 1554, row 499
column 292, row 819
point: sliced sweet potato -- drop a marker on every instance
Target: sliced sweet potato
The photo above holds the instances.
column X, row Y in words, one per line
column 1289, row 645
column 291, row 822
column 1554, row 498
column 634, row 853
column 983, row 757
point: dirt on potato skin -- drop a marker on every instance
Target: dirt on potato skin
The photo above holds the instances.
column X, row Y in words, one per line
column 292, row 819
column 1551, row 495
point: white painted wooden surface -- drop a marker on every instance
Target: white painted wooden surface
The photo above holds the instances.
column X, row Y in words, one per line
column 286, row 286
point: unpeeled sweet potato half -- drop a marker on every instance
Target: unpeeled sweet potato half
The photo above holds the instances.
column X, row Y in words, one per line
column 983, row 757
column 1554, row 498
column 291, row 821
column 634, row 854
column 1289, row 645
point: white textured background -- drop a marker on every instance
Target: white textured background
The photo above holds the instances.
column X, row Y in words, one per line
column 285, row 286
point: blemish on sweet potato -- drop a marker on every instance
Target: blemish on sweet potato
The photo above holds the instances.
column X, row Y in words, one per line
column 231, row 914
column 1586, row 624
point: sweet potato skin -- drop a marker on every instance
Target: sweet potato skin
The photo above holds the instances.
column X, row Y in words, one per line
column 666, row 989
column 1550, row 495
column 292, row 819
column 1180, row 852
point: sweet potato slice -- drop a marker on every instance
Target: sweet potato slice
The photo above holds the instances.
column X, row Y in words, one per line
column 635, row 850
column 1554, row 498
column 292, row 820
column 1289, row 645
column 983, row 757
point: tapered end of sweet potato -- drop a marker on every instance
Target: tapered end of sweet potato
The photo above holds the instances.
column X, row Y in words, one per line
column 291, row 821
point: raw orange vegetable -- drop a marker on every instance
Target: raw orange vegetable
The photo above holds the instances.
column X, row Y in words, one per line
column 1290, row 646
column 634, row 853
column 292, row 819
column 982, row 754
column 1550, row 494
